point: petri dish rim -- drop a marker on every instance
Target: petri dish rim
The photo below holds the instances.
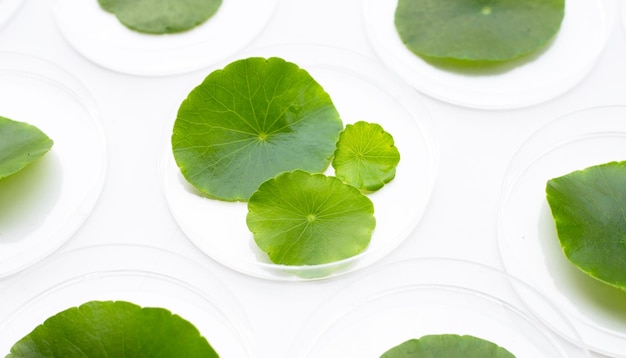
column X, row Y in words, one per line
column 111, row 45
column 572, row 131
column 108, row 270
column 368, row 287
column 522, row 83
column 324, row 59
column 40, row 74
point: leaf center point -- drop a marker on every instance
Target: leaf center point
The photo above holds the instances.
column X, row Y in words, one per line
column 263, row 137
column 486, row 10
column 311, row 218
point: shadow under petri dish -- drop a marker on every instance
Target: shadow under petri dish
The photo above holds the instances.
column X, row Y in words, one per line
column 585, row 291
column 28, row 196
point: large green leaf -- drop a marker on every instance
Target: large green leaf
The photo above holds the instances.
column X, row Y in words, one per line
column 250, row 121
column 448, row 346
column 477, row 30
column 300, row 218
column 20, row 144
column 366, row 156
column 105, row 329
column 589, row 211
column 161, row 16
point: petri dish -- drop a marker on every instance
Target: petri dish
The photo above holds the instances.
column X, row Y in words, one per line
column 146, row 276
column 101, row 38
column 395, row 302
column 528, row 81
column 44, row 204
column 7, row 9
column 360, row 90
column 528, row 243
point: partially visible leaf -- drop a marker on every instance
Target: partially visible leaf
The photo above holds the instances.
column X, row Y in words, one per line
column 161, row 16
column 105, row 329
column 589, row 211
column 448, row 346
column 20, row 144
column 477, row 30
column 250, row 121
column 366, row 156
column 300, row 218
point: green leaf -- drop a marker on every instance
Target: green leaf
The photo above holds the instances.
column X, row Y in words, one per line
column 366, row 156
column 20, row 144
column 300, row 218
column 101, row 329
column 589, row 211
column 161, row 16
column 449, row 346
column 250, row 121
column 477, row 30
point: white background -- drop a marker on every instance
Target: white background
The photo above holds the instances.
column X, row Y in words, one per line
column 475, row 147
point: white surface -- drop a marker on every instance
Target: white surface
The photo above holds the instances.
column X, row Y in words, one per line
column 460, row 221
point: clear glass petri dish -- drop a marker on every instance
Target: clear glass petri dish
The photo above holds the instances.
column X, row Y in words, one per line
column 44, row 204
column 146, row 276
column 519, row 83
column 392, row 303
column 7, row 9
column 528, row 243
column 101, row 38
column 360, row 90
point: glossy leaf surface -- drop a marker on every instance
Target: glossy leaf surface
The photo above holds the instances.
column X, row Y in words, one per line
column 161, row 16
column 589, row 211
column 250, row 121
column 20, row 144
column 101, row 329
column 299, row 218
column 449, row 346
column 477, row 30
column 366, row 156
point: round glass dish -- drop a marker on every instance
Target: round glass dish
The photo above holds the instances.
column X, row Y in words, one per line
column 360, row 90
column 404, row 300
column 146, row 276
column 524, row 82
column 101, row 38
column 7, row 9
column 44, row 204
column 528, row 242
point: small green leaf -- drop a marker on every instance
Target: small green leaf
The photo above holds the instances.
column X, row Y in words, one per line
column 589, row 211
column 477, row 30
column 366, row 156
column 250, row 121
column 104, row 329
column 448, row 346
column 20, row 144
column 161, row 16
column 300, row 218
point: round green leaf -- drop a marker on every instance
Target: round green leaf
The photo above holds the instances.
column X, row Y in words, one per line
column 161, row 16
column 300, row 218
column 589, row 211
column 103, row 329
column 20, row 144
column 449, row 346
column 366, row 156
column 477, row 30
column 250, row 121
